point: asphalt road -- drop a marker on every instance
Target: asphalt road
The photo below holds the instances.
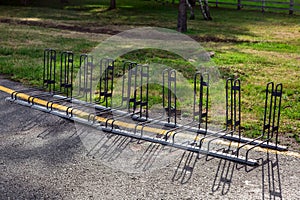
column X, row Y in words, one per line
column 45, row 157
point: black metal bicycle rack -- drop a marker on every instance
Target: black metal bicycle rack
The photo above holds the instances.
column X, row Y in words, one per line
column 169, row 113
column 48, row 81
column 169, row 97
column 271, row 119
column 49, row 71
column 233, row 105
column 66, row 73
column 106, row 81
column 134, row 96
column 200, row 110
column 128, row 84
column 130, row 116
column 232, row 118
column 141, row 94
column 85, row 79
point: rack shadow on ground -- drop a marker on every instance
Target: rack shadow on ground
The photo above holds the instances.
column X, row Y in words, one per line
column 269, row 174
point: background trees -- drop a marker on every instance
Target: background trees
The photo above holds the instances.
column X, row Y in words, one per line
column 112, row 4
column 182, row 16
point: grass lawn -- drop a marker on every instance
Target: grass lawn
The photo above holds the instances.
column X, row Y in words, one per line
column 251, row 45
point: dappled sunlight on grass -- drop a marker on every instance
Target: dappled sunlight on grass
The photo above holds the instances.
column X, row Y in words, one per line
column 31, row 19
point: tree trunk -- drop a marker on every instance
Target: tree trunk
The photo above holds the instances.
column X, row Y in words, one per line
column 112, row 4
column 64, row 1
column 182, row 16
column 24, row 2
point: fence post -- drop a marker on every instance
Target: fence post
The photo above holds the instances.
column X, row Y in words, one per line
column 291, row 10
column 239, row 6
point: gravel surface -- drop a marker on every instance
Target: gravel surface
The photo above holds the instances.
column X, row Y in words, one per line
column 45, row 157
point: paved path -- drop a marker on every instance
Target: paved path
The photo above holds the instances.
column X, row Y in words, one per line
column 44, row 156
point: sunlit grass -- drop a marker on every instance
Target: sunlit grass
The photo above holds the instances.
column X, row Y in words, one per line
column 255, row 47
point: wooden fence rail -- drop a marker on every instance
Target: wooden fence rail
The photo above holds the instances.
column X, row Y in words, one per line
column 263, row 5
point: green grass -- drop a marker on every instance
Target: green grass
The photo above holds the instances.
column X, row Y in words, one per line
column 255, row 47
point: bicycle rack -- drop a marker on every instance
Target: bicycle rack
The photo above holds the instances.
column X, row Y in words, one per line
column 233, row 114
column 141, row 95
column 49, row 71
column 200, row 108
column 64, row 93
column 134, row 97
column 49, row 74
column 127, row 70
column 66, row 73
column 65, row 82
column 126, row 99
column 168, row 116
column 271, row 119
column 85, row 79
column 106, row 81
column 86, row 98
column 169, row 95
column 203, row 82
column 131, row 116
column 105, row 84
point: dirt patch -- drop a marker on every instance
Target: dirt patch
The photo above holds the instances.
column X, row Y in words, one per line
column 94, row 28
column 48, row 24
column 219, row 40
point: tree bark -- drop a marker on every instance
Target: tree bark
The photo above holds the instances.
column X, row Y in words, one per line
column 24, row 2
column 64, row 1
column 182, row 17
column 112, row 4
